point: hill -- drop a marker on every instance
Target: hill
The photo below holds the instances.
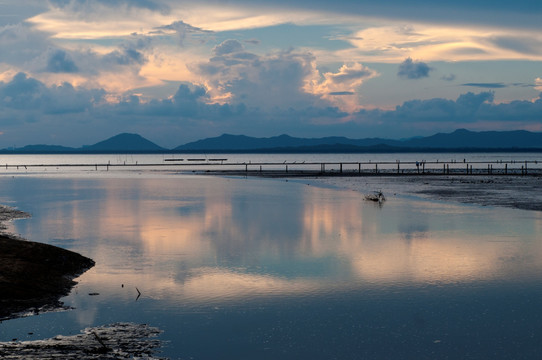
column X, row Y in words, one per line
column 124, row 143
column 459, row 139
column 242, row 142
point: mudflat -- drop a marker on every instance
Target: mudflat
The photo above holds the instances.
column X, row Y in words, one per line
column 518, row 192
column 35, row 275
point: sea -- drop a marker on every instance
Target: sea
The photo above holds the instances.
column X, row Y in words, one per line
column 237, row 267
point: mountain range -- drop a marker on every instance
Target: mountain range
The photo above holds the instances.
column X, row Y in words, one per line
column 460, row 139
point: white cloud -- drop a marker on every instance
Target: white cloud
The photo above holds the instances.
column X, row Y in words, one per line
column 538, row 83
column 393, row 43
column 341, row 88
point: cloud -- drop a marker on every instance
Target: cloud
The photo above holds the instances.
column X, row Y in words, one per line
column 487, row 85
column 273, row 80
column 344, row 82
column 538, row 83
column 519, row 44
column 28, row 94
column 450, row 77
column 32, row 112
column 284, row 79
column 445, row 42
column 228, row 47
column 180, row 29
column 60, row 62
column 85, row 5
column 413, row 69
column 20, row 44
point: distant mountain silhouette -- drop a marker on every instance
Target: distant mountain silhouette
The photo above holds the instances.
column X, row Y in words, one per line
column 460, row 140
column 50, row 149
column 242, row 142
column 124, row 143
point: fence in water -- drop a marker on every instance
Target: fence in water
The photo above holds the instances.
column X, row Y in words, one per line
column 287, row 168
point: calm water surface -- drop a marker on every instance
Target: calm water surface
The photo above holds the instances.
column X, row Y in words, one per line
column 233, row 268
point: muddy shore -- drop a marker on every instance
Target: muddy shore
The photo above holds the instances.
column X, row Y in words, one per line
column 518, row 192
column 34, row 276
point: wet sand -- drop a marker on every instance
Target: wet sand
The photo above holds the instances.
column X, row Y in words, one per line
column 519, row 192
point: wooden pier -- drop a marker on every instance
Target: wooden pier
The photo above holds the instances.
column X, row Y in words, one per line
column 292, row 168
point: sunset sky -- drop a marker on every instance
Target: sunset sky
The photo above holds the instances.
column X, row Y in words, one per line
column 75, row 72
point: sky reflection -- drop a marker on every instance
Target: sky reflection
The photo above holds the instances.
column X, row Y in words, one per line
column 259, row 237
column 192, row 242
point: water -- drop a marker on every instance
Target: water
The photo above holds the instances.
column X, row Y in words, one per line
column 234, row 268
column 90, row 164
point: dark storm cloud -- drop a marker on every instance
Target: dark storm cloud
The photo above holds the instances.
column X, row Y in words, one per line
column 60, row 62
column 410, row 69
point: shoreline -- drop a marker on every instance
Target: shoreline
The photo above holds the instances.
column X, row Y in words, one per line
column 34, row 276
column 517, row 192
column 523, row 192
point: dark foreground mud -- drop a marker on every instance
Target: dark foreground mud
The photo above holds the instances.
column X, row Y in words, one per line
column 116, row 341
column 34, row 276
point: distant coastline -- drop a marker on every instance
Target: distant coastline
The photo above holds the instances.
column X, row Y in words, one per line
column 461, row 140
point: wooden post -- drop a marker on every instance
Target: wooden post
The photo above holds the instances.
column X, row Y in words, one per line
column 359, row 168
column 376, row 168
column 505, row 169
column 397, row 168
column 341, row 168
column 286, row 168
column 444, row 168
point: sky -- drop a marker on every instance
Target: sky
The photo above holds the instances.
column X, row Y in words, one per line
column 75, row 72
